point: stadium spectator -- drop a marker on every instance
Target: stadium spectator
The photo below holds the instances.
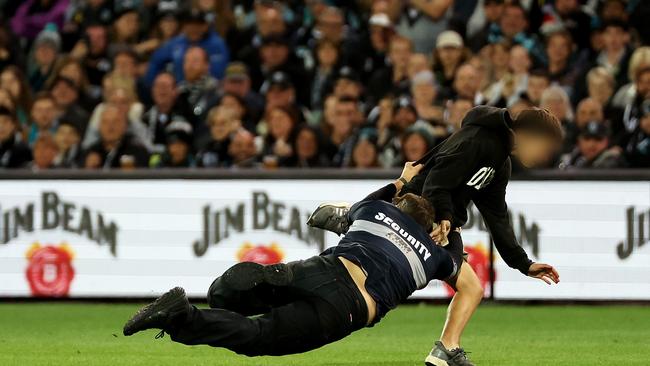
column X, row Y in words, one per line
column 278, row 143
column 566, row 15
column 559, row 51
column 423, row 90
column 68, row 139
column 631, row 114
column 43, row 116
column 13, row 80
column 422, row 22
column 116, row 147
column 13, row 152
column 390, row 134
column 92, row 49
column 588, row 110
column 365, row 153
column 415, row 143
column 513, row 28
column 178, row 149
column 223, row 123
column 555, row 100
column 593, row 150
column 615, row 54
column 45, row 52
column 241, row 150
column 381, row 31
column 66, row 96
column 237, row 82
column 448, row 55
column 45, row 152
column 637, row 143
column 538, row 81
column 392, row 79
column 341, row 131
column 308, row 148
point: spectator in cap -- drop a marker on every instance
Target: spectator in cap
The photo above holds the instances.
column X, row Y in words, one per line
column 116, row 147
column 164, row 110
column 44, row 54
column 347, row 82
column 448, row 55
column 196, row 32
column 486, row 16
column 637, row 143
column 13, row 152
column 66, row 98
column 241, row 151
column 178, row 151
column 222, row 122
column 68, row 140
column 32, row 16
column 45, row 152
column 392, row 79
column 279, row 91
column 365, row 153
column 198, row 87
column 43, row 116
column 126, row 22
column 593, row 150
column 280, row 138
column 167, row 24
column 380, row 32
column 309, row 149
column 238, row 83
column 421, row 21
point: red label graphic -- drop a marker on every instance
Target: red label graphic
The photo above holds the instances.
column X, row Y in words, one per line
column 262, row 254
column 479, row 259
column 49, row 271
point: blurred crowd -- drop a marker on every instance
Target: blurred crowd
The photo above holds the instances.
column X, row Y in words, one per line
column 103, row 84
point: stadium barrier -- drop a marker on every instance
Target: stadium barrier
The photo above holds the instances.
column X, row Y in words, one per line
column 135, row 234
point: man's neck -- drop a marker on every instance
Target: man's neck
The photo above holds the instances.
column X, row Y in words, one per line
column 556, row 66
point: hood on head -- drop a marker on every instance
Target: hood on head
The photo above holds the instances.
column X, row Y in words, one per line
column 495, row 119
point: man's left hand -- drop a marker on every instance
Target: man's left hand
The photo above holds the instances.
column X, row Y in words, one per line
column 544, row 272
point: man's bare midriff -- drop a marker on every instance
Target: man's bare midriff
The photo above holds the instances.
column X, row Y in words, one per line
column 359, row 278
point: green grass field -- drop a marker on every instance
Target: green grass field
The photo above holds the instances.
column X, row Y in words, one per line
column 90, row 334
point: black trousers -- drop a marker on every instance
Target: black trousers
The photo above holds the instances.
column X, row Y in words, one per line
column 321, row 305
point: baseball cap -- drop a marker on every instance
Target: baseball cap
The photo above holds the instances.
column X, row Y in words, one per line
column 277, row 79
column 380, row 20
column 449, row 38
column 403, row 101
column 595, row 129
column 179, row 130
column 346, row 72
column 167, row 8
column 49, row 36
column 125, row 6
column 236, row 71
column 195, row 15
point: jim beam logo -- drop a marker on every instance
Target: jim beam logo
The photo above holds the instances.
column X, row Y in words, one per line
column 56, row 213
column 262, row 214
column 637, row 227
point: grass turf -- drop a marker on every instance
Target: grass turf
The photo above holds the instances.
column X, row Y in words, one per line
column 90, row 334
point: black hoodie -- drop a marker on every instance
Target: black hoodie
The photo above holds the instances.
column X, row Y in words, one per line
column 474, row 164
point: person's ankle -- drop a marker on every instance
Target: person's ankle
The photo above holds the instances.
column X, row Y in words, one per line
column 449, row 345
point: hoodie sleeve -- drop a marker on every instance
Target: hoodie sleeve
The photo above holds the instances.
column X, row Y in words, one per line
column 450, row 169
column 492, row 205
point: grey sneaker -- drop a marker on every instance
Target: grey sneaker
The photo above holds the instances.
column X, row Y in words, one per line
column 441, row 356
column 331, row 217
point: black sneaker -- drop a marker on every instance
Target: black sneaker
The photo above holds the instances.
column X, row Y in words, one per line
column 331, row 217
column 246, row 275
column 441, row 356
column 160, row 314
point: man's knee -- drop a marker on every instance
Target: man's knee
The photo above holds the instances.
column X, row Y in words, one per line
column 468, row 283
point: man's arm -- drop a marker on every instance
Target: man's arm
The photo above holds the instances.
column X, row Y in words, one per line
column 388, row 192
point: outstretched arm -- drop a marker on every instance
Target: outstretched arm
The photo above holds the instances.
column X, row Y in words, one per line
column 386, row 193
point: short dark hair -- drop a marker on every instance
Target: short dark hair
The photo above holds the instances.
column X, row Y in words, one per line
column 420, row 209
column 539, row 121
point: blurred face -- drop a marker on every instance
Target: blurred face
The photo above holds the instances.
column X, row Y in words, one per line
column 330, row 25
column 306, row 144
column 112, row 125
column 588, row 110
column 600, row 89
column 237, row 86
column 233, row 104
column 378, row 38
column 364, row 154
column 400, row 52
column 450, row 56
column 177, row 151
column 44, row 155
column 269, row 21
column 242, row 146
column 404, row 118
column 10, row 83
column 66, row 136
column 417, row 62
column 121, row 99
column 327, row 55
column 43, row 113
column 73, row 72
column 533, row 150
column 163, row 90
column 280, row 124
column 347, row 87
column 415, row 146
column 97, row 40
column 220, row 126
column 557, row 107
column 194, row 31
column 126, row 26
column 125, row 66
column 614, row 39
column 493, row 12
column 466, row 82
column 64, row 94
column 591, row 147
column 536, row 86
column 513, row 21
column 45, row 55
column 519, row 60
column 558, row 49
column 425, row 92
column 565, row 7
column 643, row 84
column 169, row 27
column 500, row 56
column 344, row 113
column 7, row 128
column 279, row 97
column 274, row 54
column 195, row 64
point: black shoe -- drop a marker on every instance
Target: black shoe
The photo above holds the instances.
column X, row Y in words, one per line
column 441, row 356
column 246, row 275
column 161, row 313
column 331, row 217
